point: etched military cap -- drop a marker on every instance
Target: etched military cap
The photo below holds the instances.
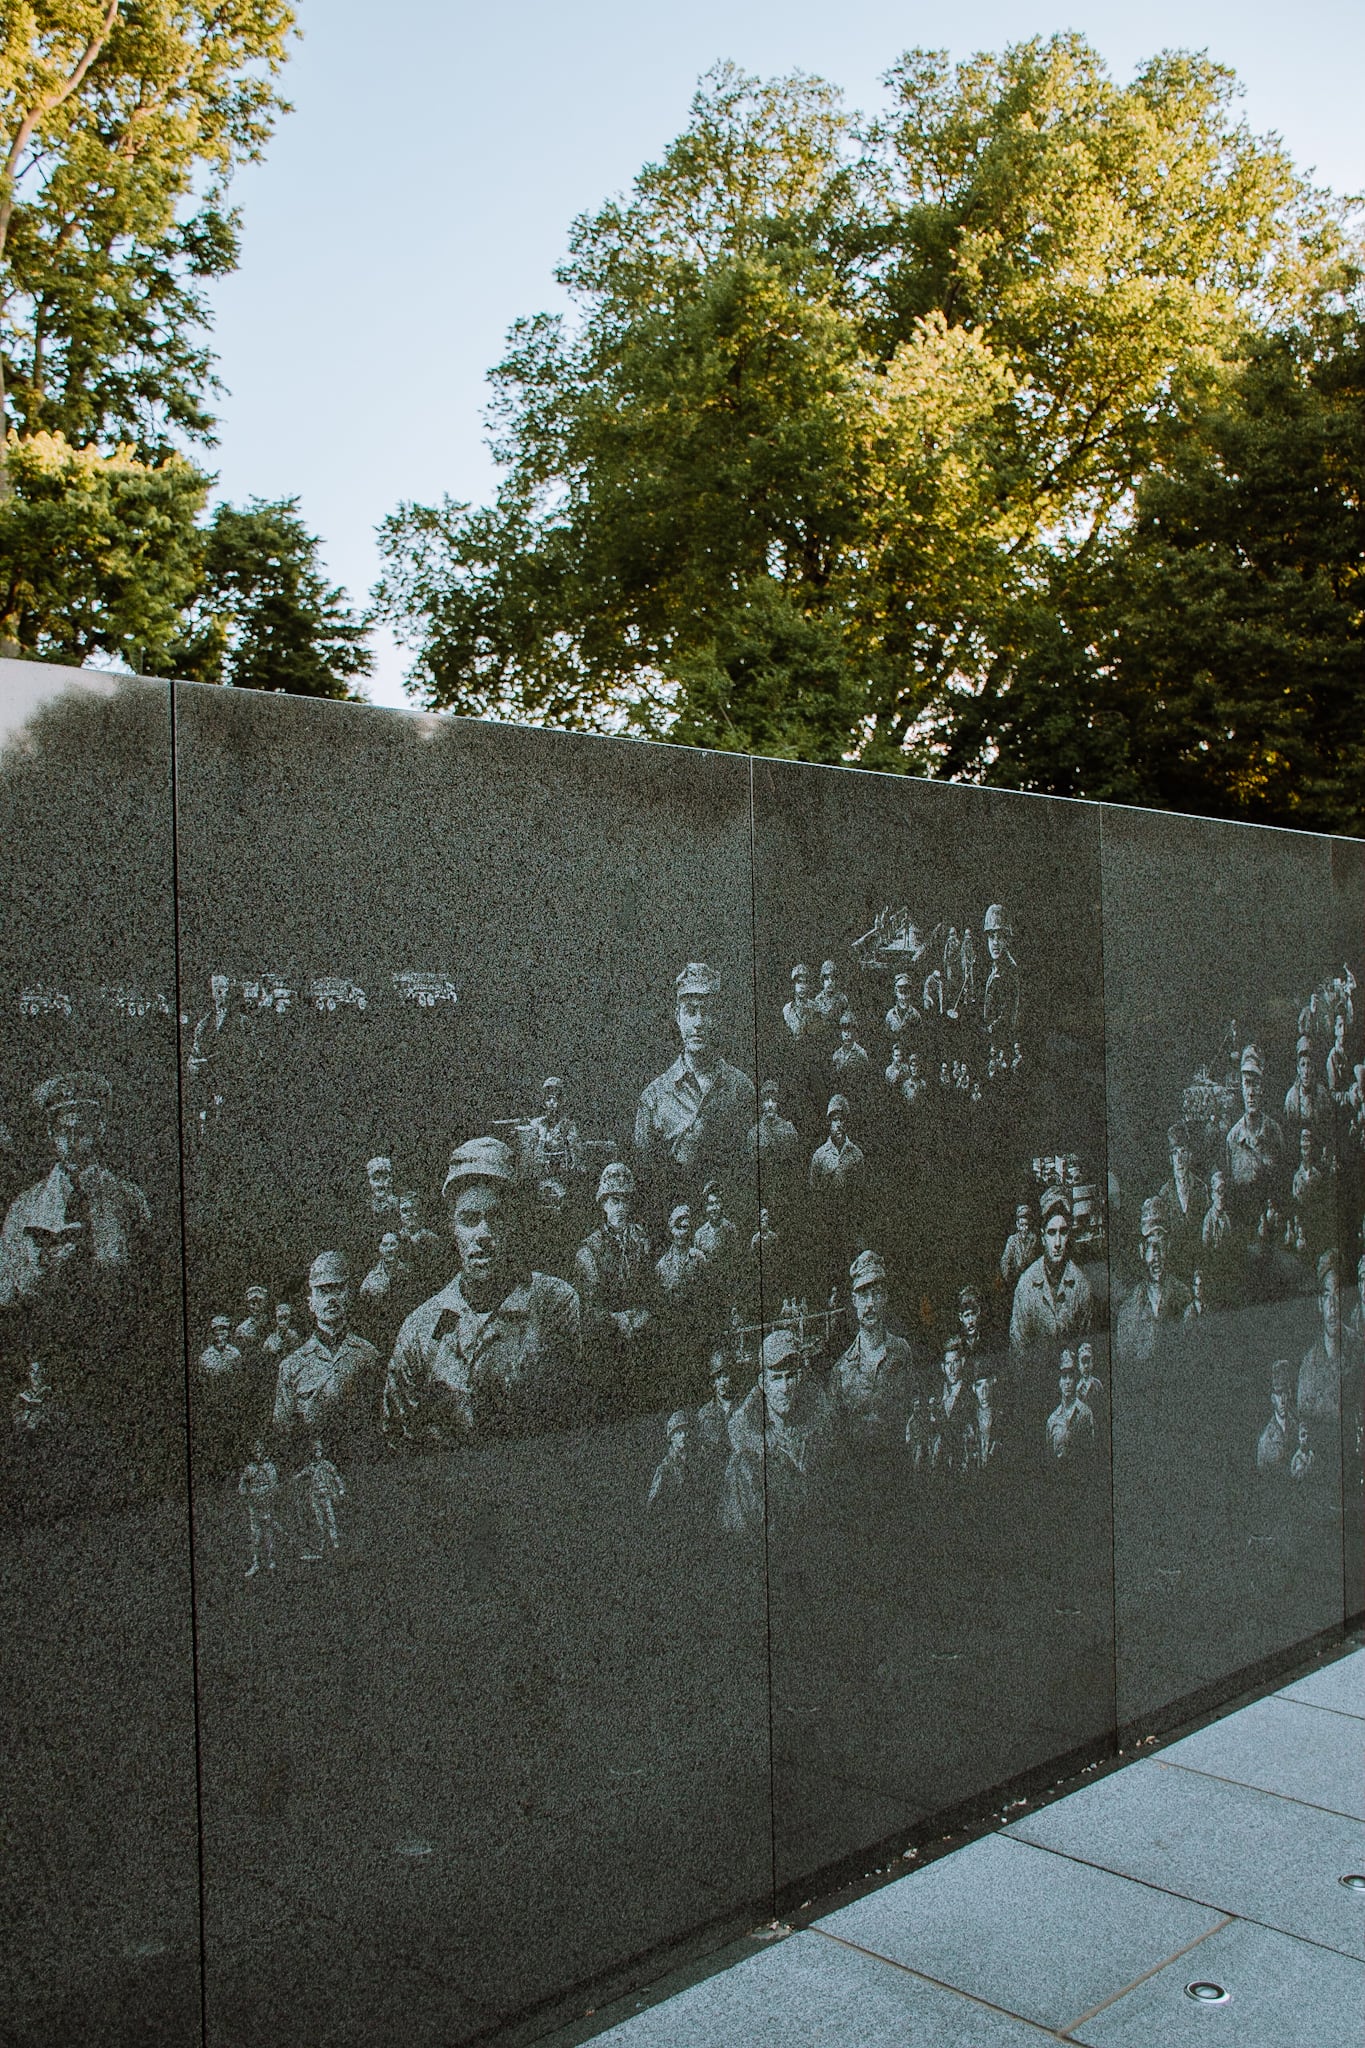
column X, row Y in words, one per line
column 697, row 979
column 480, row 1159
column 64, row 1091
column 380, row 1159
column 1252, row 1061
column 713, row 1187
column 1283, row 1378
column 616, row 1179
column 995, row 919
column 679, row 1209
column 828, row 967
column 1178, row 1135
column 1155, row 1222
column 257, row 1293
column 768, row 1092
column 1328, row 1263
column 778, row 1347
column 1054, row 1200
column 867, row 1270
column 849, row 1019
column 838, row 1106
column 329, row 1269
column 720, row 1363
column 676, row 1421
column 552, row 1085
column 220, row 1323
column 800, row 972
column 903, row 980
column 1304, row 1044
column 968, row 1297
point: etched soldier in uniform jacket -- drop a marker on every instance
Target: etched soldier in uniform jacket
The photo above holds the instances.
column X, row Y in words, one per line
column 697, row 1116
column 1052, row 1300
column 101, row 1218
column 330, row 1385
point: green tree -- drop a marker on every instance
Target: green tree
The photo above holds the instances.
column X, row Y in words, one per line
column 842, row 412
column 98, row 554
column 121, row 123
column 265, row 617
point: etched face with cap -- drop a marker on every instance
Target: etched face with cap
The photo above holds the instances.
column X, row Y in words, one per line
column 1056, row 1234
column 1252, row 1080
column 1066, row 1377
column 256, row 1298
column 1154, row 1253
column 388, row 1248
column 680, row 1226
column 698, row 1022
column 76, row 1129
column 838, row 1119
column 827, row 974
column 283, row 1313
column 220, row 1329
column 549, row 1096
column 969, row 1314
column 1218, row 1187
column 379, row 1174
column 722, row 1374
column 329, row 1296
column 1329, row 1296
column 869, row 1302
column 1305, row 1145
column 1085, row 1358
column 715, row 1205
column 481, row 1225
column 903, row 985
column 218, row 989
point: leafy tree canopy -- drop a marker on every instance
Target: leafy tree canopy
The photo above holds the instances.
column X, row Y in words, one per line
column 838, row 449
column 121, row 123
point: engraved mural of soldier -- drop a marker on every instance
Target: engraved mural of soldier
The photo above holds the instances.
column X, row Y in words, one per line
column 497, row 1350
column 838, row 1161
column 1089, row 1386
column 1184, row 1196
column 1301, row 1464
column 1052, row 1298
column 954, row 1412
column 283, row 1338
column 717, row 1237
column 383, row 1202
column 220, row 1358
column 849, row 1059
column 773, row 1139
column 1306, row 1101
column 713, row 1417
column 1071, row 1425
column 914, row 1087
column 697, row 1116
column 421, row 1247
column 1334, row 1353
column 780, row 1433
column 1216, row 1232
column 673, row 1472
column 251, row 1333
column 218, row 1057
column 614, row 1271
column 1275, row 1445
column 259, row 1487
column 1159, row 1298
column 800, row 1015
column 323, row 1489
column 1338, row 1067
column 1000, row 996
column 870, row 1386
column 331, row 1382
column 551, row 1145
column 829, row 999
column 80, row 1203
column 1022, row 1246
column 765, row 1241
column 682, row 1267
column 903, row 1015
column 1255, row 1144
column 386, row 1276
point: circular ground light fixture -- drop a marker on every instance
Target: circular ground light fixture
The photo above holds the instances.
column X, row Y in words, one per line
column 1204, row 1993
column 1354, row 1881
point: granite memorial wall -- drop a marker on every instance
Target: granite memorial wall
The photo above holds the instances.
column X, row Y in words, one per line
column 596, row 1335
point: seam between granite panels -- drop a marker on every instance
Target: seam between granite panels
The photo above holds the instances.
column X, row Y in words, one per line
column 874, row 1955
column 1244, row 1785
column 1065, row 2033
column 762, row 1309
column 185, row 1354
column 1109, row 1306
column 1189, row 1899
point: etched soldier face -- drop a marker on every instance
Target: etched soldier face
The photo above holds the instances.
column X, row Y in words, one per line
column 283, row 1316
column 969, row 1316
column 220, row 1329
column 218, row 989
column 680, row 1228
column 1251, row 1091
column 780, row 1385
column 1302, row 1064
column 770, row 1104
column 1305, row 1146
column 952, row 1362
column 1197, row 1284
column 616, row 1210
column 913, row 1065
column 1217, row 1187
column 481, row 1226
column 1154, row 1255
column 995, row 944
column 76, row 1128
column 722, row 1376
column 837, row 1127
column 1339, row 1030
column 1329, row 1301
column 1086, row 1359
column 379, row 1174
column 1279, row 1404
column 801, row 987
column 256, row 1299
column 37, row 1377
column 1057, row 1237
column 869, row 1304
column 408, row 1212
column 1180, row 1155
column 550, row 1100
column 1067, row 1381
column 1022, row 1220
column 827, row 976
column 846, row 1030
column 388, row 1248
column 715, row 1207
column 330, row 1301
column 697, row 1025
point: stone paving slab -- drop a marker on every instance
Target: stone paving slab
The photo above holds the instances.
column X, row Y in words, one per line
column 1234, row 1849
column 1282, row 1993
column 809, row 1992
column 1339, row 1687
column 1281, row 1745
column 1034, row 1933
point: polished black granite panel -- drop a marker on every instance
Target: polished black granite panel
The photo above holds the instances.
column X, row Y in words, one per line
column 1230, row 1129
column 100, row 1888
column 1348, row 875
column 483, row 1707
column 928, row 995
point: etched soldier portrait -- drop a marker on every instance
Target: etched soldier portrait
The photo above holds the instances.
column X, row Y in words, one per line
column 697, row 1116
column 780, row 1439
column 1000, row 996
column 498, row 1349
column 1159, row 1299
column 383, row 1202
column 871, row 1383
column 903, row 1014
column 614, row 1272
column 838, row 1161
column 849, row 1059
column 1052, row 1297
column 1022, row 1246
column 799, row 1013
column 551, row 1144
column 94, row 1221
column 1275, row 1445
column 1185, row 1198
column 773, row 1139
column 1071, row 1425
column 331, row 1383
column 1255, row 1147
column 1334, row 1353
column 1306, row 1100
column 829, row 999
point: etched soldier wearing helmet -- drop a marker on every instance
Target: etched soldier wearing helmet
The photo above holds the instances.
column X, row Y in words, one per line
column 696, row 1116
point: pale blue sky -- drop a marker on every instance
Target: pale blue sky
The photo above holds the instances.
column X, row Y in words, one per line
column 418, row 199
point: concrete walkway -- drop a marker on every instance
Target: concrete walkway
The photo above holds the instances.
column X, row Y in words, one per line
column 1190, row 1899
